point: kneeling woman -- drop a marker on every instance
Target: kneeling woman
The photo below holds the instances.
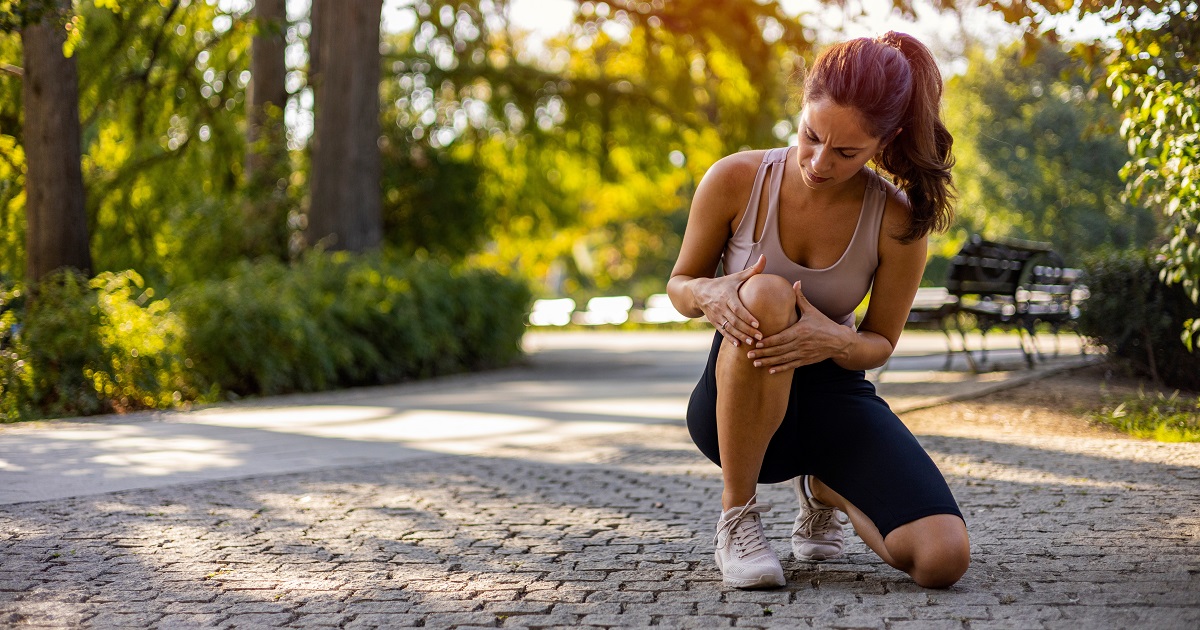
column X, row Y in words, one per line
column 802, row 233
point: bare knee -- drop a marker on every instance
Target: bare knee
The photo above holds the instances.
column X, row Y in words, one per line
column 941, row 564
column 936, row 550
column 771, row 299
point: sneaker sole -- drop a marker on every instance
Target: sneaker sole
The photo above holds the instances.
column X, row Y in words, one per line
column 816, row 557
column 766, row 580
column 762, row 581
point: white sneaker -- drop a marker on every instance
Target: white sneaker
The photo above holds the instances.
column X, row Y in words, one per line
column 817, row 534
column 743, row 554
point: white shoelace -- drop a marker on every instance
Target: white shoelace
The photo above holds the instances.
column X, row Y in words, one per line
column 817, row 518
column 744, row 530
column 822, row 519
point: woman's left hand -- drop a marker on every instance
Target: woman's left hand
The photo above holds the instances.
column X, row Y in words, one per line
column 812, row 339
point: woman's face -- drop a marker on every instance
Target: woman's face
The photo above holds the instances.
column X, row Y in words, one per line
column 834, row 144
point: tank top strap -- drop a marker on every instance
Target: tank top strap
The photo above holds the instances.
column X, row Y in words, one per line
column 873, row 206
column 777, row 158
column 751, row 213
column 743, row 241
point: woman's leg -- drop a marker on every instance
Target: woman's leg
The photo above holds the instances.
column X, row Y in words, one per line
column 934, row 550
column 750, row 401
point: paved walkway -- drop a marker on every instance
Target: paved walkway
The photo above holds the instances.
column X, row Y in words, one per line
column 564, row 493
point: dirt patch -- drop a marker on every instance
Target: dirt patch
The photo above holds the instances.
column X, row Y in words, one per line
column 1058, row 405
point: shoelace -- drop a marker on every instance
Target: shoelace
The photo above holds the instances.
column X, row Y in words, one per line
column 743, row 530
column 822, row 519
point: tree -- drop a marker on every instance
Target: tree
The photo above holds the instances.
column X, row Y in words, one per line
column 162, row 91
column 1156, row 80
column 12, row 159
column 344, row 211
column 57, row 234
column 1038, row 155
column 588, row 150
column 266, row 134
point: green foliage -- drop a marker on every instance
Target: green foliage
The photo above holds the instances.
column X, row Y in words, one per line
column 336, row 320
column 142, row 338
column 330, row 321
column 52, row 343
column 575, row 184
column 80, row 347
column 1156, row 80
column 431, row 202
column 17, row 14
column 12, row 164
column 1171, row 418
column 1138, row 318
column 1038, row 156
column 555, row 159
column 162, row 92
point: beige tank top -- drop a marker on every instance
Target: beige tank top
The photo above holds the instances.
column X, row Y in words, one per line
column 836, row 290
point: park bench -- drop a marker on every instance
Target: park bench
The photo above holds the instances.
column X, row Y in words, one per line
column 1002, row 284
column 660, row 310
column 552, row 312
column 932, row 308
column 1051, row 296
column 611, row 310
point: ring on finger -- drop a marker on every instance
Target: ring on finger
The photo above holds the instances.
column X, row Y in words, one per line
column 724, row 324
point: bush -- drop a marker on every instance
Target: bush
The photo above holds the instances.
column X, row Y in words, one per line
column 1139, row 319
column 85, row 347
column 330, row 321
column 339, row 320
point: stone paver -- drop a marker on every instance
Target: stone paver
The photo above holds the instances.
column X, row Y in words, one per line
column 1070, row 533
column 602, row 531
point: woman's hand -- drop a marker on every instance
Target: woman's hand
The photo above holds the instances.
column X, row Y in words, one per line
column 719, row 300
column 811, row 340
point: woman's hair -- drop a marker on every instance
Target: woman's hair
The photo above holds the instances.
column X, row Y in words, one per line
column 895, row 83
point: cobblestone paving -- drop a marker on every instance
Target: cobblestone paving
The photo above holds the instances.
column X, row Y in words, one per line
column 1069, row 533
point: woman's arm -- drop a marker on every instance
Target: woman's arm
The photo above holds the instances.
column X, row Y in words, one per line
column 713, row 217
column 892, row 292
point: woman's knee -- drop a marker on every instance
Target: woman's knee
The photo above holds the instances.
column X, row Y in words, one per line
column 939, row 551
column 941, row 566
column 771, row 299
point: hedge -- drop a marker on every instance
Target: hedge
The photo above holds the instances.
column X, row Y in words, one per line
column 1139, row 319
column 329, row 321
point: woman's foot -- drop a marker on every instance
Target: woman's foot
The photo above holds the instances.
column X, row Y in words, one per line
column 817, row 534
column 743, row 553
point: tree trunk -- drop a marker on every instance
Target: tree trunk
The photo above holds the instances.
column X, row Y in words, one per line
column 345, row 211
column 314, row 42
column 57, row 233
column 266, row 134
column 267, row 96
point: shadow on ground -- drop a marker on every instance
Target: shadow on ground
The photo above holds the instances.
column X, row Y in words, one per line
column 1064, row 535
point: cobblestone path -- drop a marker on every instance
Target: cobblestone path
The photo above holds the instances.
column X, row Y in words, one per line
column 612, row 532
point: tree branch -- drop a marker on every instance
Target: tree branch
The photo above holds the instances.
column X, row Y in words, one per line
column 13, row 70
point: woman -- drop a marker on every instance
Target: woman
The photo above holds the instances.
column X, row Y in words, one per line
column 802, row 233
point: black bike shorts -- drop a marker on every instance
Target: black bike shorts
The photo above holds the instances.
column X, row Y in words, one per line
column 837, row 429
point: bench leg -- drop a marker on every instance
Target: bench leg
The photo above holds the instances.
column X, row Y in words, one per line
column 1031, row 358
column 983, row 331
column 949, row 346
column 965, row 348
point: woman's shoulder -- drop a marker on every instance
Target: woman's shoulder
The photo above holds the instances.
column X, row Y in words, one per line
column 897, row 212
column 735, row 168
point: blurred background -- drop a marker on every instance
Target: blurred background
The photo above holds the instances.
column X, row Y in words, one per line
column 549, row 146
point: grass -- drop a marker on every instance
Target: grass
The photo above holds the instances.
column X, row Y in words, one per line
column 1156, row 416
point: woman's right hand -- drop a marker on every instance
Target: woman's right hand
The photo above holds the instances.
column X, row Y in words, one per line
column 719, row 300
